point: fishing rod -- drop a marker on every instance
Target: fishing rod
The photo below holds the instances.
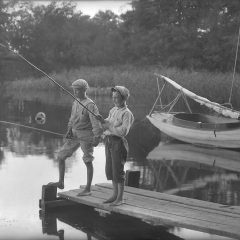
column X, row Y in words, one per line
column 64, row 89
column 33, row 128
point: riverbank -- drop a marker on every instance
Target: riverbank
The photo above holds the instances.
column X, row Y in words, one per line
column 140, row 81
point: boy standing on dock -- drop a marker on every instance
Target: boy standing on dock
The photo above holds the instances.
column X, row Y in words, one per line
column 84, row 130
column 116, row 127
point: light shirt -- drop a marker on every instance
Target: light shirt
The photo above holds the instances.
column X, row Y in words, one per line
column 120, row 119
column 82, row 120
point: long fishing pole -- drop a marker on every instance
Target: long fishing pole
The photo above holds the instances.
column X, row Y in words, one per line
column 31, row 64
column 33, row 128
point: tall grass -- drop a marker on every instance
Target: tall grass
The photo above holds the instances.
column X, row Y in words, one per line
column 140, row 81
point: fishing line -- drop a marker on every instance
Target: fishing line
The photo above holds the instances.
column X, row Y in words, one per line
column 33, row 128
column 31, row 64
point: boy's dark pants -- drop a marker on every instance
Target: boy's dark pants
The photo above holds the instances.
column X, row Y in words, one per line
column 116, row 156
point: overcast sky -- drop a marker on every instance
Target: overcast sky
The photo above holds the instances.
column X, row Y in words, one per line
column 91, row 7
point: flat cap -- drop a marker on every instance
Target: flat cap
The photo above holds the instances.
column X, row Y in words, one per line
column 123, row 91
column 80, row 83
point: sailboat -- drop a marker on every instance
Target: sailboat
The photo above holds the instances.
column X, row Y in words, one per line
column 221, row 131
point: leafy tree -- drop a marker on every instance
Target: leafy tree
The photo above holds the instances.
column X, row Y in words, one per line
column 4, row 21
column 108, row 42
column 4, row 18
column 183, row 33
column 56, row 37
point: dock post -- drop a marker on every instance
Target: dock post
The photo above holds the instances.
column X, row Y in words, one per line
column 50, row 200
column 49, row 193
column 132, row 178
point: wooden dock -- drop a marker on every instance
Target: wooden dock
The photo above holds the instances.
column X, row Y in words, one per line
column 164, row 209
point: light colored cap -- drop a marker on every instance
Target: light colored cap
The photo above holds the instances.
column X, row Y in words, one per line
column 123, row 91
column 80, row 83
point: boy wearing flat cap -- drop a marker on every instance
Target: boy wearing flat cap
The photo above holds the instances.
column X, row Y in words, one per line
column 84, row 130
column 116, row 127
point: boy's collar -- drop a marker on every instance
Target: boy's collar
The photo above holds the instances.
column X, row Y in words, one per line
column 122, row 107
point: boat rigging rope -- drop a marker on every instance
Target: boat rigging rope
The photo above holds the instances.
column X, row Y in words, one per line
column 23, row 58
column 172, row 103
column 234, row 69
column 33, row 128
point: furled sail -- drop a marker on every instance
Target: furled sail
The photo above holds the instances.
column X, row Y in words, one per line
column 227, row 112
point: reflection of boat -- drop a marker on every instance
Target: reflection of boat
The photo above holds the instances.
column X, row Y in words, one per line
column 201, row 129
column 197, row 171
column 222, row 158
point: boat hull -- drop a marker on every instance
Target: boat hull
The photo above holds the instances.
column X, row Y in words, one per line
column 213, row 137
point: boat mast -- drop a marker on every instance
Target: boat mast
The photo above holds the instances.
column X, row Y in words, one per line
column 234, row 69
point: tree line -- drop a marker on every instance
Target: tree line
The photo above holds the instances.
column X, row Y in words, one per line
column 188, row 34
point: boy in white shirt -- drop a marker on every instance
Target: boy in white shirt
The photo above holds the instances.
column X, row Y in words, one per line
column 116, row 127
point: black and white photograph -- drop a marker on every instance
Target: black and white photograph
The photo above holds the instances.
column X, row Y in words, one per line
column 119, row 119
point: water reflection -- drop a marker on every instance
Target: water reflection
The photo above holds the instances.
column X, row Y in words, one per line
column 194, row 172
column 182, row 169
column 24, row 112
column 25, row 142
column 27, row 158
column 94, row 226
column 1, row 157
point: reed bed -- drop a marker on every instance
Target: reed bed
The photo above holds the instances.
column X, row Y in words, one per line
column 140, row 80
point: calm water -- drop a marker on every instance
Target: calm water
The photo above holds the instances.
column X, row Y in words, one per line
column 27, row 161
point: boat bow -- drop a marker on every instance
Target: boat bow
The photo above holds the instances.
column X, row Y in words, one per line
column 227, row 112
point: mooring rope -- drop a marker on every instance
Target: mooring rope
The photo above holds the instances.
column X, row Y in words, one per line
column 33, row 128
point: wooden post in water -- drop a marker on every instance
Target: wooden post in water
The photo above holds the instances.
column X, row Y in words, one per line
column 50, row 200
column 132, row 178
column 49, row 193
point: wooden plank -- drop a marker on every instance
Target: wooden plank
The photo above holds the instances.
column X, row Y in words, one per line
column 174, row 198
column 168, row 209
column 176, row 209
column 160, row 218
column 152, row 201
column 172, row 209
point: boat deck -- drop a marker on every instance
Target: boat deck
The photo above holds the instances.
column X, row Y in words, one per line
column 164, row 209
